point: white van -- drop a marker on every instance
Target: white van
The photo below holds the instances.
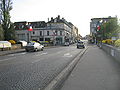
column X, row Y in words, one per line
column 5, row 44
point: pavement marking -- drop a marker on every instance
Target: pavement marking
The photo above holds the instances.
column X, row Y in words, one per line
column 44, row 53
column 36, row 61
column 17, row 54
column 59, row 52
column 22, row 53
column 7, row 59
column 67, row 55
column 41, row 54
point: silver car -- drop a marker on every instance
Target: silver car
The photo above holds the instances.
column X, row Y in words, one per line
column 34, row 46
column 66, row 44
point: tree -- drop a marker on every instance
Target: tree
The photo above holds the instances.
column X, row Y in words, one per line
column 7, row 25
column 1, row 33
column 109, row 29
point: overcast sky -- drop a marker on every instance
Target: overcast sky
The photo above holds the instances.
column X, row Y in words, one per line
column 79, row 12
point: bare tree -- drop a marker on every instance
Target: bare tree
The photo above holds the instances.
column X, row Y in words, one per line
column 6, row 7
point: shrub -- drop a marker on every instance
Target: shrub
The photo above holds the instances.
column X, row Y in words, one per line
column 117, row 43
column 103, row 41
column 12, row 41
column 109, row 41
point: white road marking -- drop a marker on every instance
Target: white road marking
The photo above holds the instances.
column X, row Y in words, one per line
column 44, row 53
column 36, row 61
column 7, row 59
column 17, row 54
column 22, row 53
column 59, row 52
column 67, row 55
column 41, row 54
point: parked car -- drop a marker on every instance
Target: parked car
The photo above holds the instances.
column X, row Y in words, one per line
column 23, row 43
column 80, row 44
column 5, row 44
column 66, row 44
column 34, row 46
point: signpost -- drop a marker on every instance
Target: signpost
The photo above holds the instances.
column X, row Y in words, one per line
column 29, row 33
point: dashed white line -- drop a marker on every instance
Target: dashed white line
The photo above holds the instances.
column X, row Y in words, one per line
column 44, row 53
column 41, row 54
column 36, row 61
column 17, row 54
column 7, row 59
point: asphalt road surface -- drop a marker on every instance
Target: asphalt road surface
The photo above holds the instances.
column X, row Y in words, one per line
column 34, row 70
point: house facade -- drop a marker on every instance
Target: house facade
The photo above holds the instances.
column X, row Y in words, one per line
column 57, row 31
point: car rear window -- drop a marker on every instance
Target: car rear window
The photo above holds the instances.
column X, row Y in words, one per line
column 80, row 42
column 31, row 43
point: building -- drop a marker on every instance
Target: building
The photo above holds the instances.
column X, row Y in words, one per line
column 74, row 33
column 56, row 31
column 23, row 33
column 95, row 25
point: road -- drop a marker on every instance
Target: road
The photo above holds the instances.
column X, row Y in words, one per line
column 34, row 70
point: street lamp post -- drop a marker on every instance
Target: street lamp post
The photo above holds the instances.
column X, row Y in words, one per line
column 29, row 28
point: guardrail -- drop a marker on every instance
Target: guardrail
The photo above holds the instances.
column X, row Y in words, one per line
column 113, row 51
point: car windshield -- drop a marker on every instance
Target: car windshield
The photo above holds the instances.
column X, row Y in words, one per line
column 31, row 43
column 80, row 42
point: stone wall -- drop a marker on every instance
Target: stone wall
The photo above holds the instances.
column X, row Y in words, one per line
column 113, row 51
column 16, row 46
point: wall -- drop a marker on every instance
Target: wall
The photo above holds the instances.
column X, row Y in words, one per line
column 16, row 46
column 114, row 52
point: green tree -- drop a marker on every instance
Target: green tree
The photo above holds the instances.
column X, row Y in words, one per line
column 109, row 29
column 8, row 27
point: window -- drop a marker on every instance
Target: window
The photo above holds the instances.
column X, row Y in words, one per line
column 40, row 33
column 47, row 39
column 21, row 36
column 47, row 33
column 60, row 32
column 41, row 39
column 33, row 32
column 56, row 33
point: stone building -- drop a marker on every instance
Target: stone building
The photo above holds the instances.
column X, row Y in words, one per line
column 57, row 31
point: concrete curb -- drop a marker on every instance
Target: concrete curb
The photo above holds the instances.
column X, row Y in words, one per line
column 60, row 78
column 11, row 52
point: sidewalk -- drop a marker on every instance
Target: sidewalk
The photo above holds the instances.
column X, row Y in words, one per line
column 96, row 70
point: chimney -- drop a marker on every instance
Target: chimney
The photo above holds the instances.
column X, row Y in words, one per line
column 59, row 17
column 48, row 19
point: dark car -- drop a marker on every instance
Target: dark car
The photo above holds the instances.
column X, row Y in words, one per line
column 80, row 44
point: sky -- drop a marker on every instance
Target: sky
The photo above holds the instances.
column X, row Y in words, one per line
column 78, row 12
